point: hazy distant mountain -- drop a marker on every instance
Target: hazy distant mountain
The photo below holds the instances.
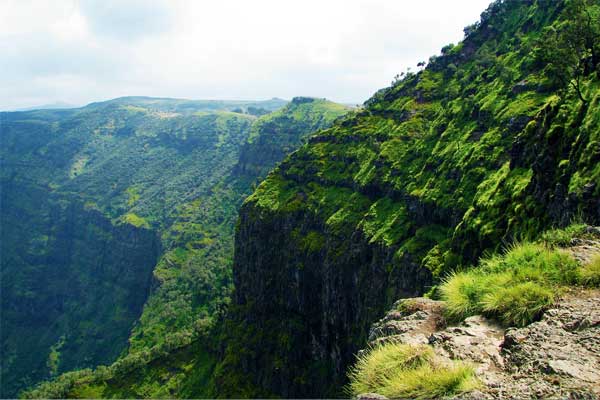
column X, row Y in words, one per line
column 171, row 104
column 51, row 106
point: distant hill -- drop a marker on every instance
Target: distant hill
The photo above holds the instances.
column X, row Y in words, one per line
column 172, row 105
column 52, row 106
column 184, row 106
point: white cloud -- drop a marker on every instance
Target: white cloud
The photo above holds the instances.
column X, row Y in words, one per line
column 82, row 51
column 127, row 20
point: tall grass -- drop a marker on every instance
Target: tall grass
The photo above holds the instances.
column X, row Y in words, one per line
column 382, row 362
column 589, row 274
column 514, row 287
column 518, row 304
column 563, row 237
column 409, row 371
column 431, row 381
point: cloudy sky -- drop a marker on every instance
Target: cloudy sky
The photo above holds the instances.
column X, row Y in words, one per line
column 78, row 51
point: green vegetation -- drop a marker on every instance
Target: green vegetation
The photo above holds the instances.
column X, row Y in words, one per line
column 589, row 274
column 517, row 286
column 174, row 170
column 456, row 137
column 570, row 48
column 94, row 187
column 72, row 285
column 276, row 135
column 182, row 365
column 563, row 237
column 409, row 371
column 132, row 219
column 518, row 304
column 495, row 141
column 195, row 270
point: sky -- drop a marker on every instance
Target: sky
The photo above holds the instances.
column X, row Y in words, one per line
column 79, row 51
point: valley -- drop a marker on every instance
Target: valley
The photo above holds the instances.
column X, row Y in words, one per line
column 118, row 222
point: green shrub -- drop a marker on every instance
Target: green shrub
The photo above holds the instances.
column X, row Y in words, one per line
column 400, row 370
column 589, row 274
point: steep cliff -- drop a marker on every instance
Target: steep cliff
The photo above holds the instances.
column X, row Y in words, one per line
column 489, row 142
column 275, row 136
column 194, row 274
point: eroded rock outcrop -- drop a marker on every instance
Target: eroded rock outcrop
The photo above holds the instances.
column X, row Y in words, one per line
column 556, row 357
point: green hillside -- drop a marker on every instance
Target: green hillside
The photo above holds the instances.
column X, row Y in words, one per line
column 164, row 248
column 496, row 139
column 118, row 224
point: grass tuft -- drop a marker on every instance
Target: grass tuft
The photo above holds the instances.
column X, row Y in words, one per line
column 430, row 381
column 461, row 291
column 383, row 362
column 400, row 370
column 589, row 274
column 514, row 287
column 534, row 262
column 518, row 304
column 563, row 237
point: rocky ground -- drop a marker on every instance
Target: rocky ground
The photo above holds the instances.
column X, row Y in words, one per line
column 557, row 357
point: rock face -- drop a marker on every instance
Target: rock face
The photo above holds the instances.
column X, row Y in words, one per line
column 556, row 357
column 411, row 321
column 310, row 306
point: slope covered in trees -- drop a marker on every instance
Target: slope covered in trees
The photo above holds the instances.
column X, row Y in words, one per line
column 118, row 223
